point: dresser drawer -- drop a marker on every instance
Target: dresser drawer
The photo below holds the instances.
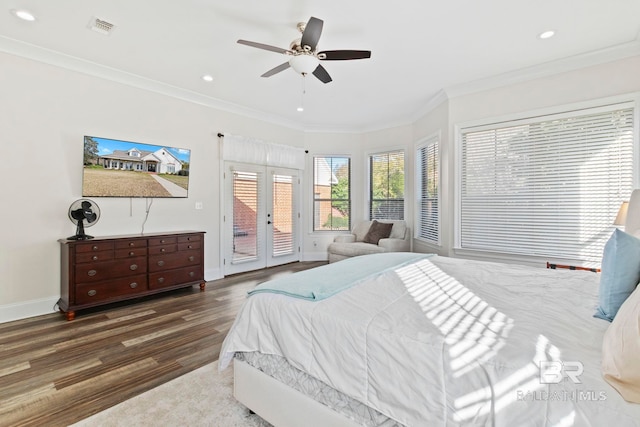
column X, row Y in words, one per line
column 99, row 271
column 131, row 252
column 84, row 257
column 94, row 292
column 166, row 240
column 189, row 245
column 131, row 243
column 164, row 249
column 190, row 238
column 174, row 277
column 93, row 247
column 175, row 260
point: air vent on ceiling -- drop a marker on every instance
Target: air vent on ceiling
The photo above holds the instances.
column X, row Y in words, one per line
column 100, row 26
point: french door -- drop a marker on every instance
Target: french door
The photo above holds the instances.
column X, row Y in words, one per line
column 261, row 221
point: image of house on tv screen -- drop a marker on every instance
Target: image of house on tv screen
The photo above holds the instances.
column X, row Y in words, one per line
column 114, row 168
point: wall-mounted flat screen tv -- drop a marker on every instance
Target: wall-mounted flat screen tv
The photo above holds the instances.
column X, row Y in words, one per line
column 115, row 168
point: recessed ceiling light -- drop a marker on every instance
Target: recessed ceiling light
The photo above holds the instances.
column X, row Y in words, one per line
column 300, row 109
column 207, row 78
column 24, row 14
column 546, row 34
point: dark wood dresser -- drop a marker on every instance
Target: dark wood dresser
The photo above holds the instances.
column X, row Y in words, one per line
column 115, row 268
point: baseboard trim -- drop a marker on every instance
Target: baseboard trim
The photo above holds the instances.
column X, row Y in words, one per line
column 315, row 256
column 23, row 310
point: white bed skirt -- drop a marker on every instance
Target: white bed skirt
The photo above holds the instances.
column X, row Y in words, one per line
column 279, row 404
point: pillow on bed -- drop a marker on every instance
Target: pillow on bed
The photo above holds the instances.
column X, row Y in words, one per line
column 377, row 231
column 620, row 350
column 620, row 273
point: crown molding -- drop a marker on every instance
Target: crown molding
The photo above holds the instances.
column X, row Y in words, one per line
column 559, row 66
column 72, row 63
column 52, row 57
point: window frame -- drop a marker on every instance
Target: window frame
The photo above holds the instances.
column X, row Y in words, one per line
column 315, row 200
column 369, row 171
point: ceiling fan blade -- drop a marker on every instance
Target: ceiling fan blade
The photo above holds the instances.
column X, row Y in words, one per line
column 341, row 55
column 276, row 70
column 322, row 74
column 265, row 46
column 312, row 32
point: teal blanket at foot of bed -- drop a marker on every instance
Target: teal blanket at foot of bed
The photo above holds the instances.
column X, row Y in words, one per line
column 322, row 282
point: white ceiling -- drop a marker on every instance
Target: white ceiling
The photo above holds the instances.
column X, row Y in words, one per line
column 420, row 48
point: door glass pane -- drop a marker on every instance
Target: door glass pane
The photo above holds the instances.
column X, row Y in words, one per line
column 283, row 219
column 245, row 218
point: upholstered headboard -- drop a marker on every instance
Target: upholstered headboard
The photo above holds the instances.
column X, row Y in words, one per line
column 632, row 226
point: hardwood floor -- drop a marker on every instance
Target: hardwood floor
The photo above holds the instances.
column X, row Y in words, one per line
column 55, row 373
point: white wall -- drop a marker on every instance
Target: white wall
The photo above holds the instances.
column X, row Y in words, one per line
column 44, row 113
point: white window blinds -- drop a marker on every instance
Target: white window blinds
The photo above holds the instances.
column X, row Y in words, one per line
column 549, row 186
column 428, row 190
column 246, row 199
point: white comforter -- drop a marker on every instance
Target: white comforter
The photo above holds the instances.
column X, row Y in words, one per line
column 445, row 341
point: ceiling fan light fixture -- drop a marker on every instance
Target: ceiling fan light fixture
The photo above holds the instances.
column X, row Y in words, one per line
column 304, row 64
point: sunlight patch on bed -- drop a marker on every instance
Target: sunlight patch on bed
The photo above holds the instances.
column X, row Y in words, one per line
column 473, row 330
column 474, row 333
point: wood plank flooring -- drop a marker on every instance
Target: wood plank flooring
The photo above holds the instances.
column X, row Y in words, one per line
column 55, row 373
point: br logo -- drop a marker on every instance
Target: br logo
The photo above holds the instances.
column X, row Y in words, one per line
column 554, row 371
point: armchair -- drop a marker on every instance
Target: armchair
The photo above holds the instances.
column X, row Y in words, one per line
column 349, row 245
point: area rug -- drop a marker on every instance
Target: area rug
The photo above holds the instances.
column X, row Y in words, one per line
column 203, row 397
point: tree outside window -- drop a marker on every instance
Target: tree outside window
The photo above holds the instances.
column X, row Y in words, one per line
column 386, row 182
column 332, row 193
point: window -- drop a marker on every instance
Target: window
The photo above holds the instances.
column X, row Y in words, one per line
column 547, row 186
column 386, row 185
column 428, row 189
column 331, row 193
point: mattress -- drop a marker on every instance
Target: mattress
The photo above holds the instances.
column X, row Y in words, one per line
column 444, row 341
column 277, row 367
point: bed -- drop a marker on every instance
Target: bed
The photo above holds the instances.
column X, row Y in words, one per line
column 421, row 340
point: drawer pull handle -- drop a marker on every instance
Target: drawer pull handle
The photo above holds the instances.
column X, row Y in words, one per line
column 94, row 247
column 160, row 263
column 133, row 267
column 133, row 285
column 92, row 273
column 131, row 244
column 92, row 293
column 132, row 253
column 190, row 247
column 95, row 257
column 162, row 249
column 160, row 279
column 191, row 258
column 191, row 274
column 161, row 240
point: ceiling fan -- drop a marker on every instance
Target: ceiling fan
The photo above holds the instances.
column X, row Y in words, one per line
column 304, row 57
